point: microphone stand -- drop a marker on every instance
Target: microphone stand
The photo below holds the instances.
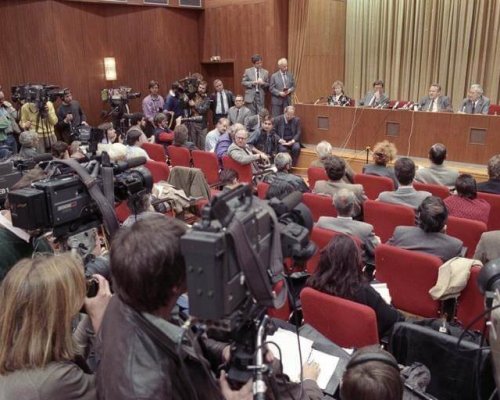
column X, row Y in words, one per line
column 259, row 385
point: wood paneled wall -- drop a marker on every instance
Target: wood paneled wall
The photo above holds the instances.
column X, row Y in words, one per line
column 235, row 30
column 64, row 43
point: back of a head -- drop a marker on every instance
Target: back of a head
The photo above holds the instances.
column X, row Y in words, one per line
column 437, row 153
column 40, row 296
column 146, row 263
column 133, row 137
column 136, row 118
column 494, row 167
column 404, row 169
column 323, row 149
column 432, row 214
column 159, row 118
column 279, row 189
column 466, row 186
column 59, row 149
column 28, row 138
column 334, row 167
column 282, row 161
column 228, row 176
column 180, row 134
column 344, row 201
column 372, row 374
column 383, row 152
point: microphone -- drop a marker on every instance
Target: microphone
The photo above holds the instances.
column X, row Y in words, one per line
column 395, row 106
column 318, row 100
column 121, row 166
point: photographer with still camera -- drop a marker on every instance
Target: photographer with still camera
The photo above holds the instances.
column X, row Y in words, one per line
column 70, row 116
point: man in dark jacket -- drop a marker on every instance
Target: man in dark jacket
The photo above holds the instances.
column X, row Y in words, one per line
column 287, row 126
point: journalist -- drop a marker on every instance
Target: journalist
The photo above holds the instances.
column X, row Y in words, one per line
column 40, row 117
column 69, row 116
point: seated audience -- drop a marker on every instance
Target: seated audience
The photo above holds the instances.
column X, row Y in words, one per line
column 335, row 170
column 383, row 153
column 60, row 150
column 229, row 179
column 287, row 127
column 344, row 202
column 435, row 101
column 265, row 139
column 465, row 203
column 405, row 194
column 110, row 134
column 181, row 134
column 239, row 112
column 475, row 102
column 492, row 185
column 40, row 299
column 324, row 151
column 488, row 247
column 75, row 151
column 254, row 122
column 339, row 273
column 213, row 136
column 437, row 173
column 138, row 124
column 226, row 140
column 430, row 234
column 141, row 333
column 280, row 190
column 29, row 144
column 162, row 133
column 283, row 164
column 140, row 208
column 338, row 98
column 375, row 98
column 243, row 154
column 135, row 139
column 372, row 374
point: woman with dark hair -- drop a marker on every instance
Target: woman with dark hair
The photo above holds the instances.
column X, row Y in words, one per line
column 339, row 273
column 465, row 203
column 383, row 153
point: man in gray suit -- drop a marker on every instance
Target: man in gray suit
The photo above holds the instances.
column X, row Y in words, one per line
column 238, row 113
column 335, row 170
column 375, row 98
column 281, row 86
column 488, row 247
column 255, row 79
column 475, row 102
column 405, row 194
column 430, row 234
column 344, row 201
column 437, row 173
column 435, row 102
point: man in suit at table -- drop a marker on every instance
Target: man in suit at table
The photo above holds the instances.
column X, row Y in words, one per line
column 435, row 102
column 281, row 86
column 255, row 80
column 475, row 102
column 220, row 101
column 375, row 98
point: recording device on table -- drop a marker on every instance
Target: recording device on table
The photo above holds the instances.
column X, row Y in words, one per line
column 118, row 99
column 231, row 286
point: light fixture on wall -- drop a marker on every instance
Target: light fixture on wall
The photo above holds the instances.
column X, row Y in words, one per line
column 110, row 68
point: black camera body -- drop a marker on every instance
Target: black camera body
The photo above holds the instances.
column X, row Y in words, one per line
column 38, row 94
column 119, row 96
column 9, row 175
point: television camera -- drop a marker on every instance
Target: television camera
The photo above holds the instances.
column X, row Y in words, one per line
column 118, row 99
column 38, row 94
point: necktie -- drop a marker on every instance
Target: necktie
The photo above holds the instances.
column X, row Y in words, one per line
column 237, row 114
column 473, row 107
column 222, row 109
column 431, row 105
column 284, row 81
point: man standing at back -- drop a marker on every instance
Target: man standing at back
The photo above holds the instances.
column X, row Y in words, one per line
column 281, row 86
column 437, row 173
column 255, row 80
column 220, row 101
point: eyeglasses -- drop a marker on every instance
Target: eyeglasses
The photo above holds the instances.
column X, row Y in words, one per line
column 240, row 138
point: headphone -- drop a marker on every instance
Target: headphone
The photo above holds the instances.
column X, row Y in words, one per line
column 385, row 358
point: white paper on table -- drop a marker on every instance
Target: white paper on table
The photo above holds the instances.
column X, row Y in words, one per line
column 327, row 364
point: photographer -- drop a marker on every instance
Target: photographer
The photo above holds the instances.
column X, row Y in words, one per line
column 69, row 115
column 8, row 126
column 40, row 117
column 40, row 357
column 145, row 352
column 199, row 106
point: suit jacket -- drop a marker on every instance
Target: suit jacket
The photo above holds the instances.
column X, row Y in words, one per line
column 437, row 175
column 443, row 104
column 404, row 195
column 214, row 97
column 435, row 243
column 240, row 118
column 360, row 229
column 250, row 76
column 330, row 188
column 482, row 106
column 382, row 102
column 490, row 186
column 276, row 85
column 280, row 125
column 488, row 247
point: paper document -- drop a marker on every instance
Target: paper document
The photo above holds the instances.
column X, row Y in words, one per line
column 383, row 291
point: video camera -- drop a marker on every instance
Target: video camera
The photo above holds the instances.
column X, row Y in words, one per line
column 38, row 94
column 188, row 86
column 119, row 96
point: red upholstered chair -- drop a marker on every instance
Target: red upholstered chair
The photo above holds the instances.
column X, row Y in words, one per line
column 122, row 211
column 494, row 109
column 385, row 217
column 179, row 156
column 436, row 190
column 471, row 302
column 155, row 151
column 262, row 188
column 315, row 174
column 208, row 163
column 467, row 230
column 320, row 205
column 374, row 184
column 409, row 275
column 494, row 200
column 159, row 170
column 284, row 312
column 244, row 171
column 344, row 322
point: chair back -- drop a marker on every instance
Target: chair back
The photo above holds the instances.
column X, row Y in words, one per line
column 436, row 190
column 208, row 163
column 159, row 170
column 262, row 188
column 467, row 230
column 282, row 313
column 494, row 109
column 385, row 217
column 409, row 275
column 179, row 156
column 344, row 322
column 320, row 205
column 244, row 171
column 155, row 151
column 315, row 174
column 494, row 200
column 471, row 302
column 374, row 184
column 122, row 211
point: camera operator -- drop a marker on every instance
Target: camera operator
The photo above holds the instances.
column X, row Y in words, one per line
column 8, row 126
column 176, row 101
column 145, row 352
column 199, row 106
column 69, row 115
column 42, row 118
column 41, row 357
